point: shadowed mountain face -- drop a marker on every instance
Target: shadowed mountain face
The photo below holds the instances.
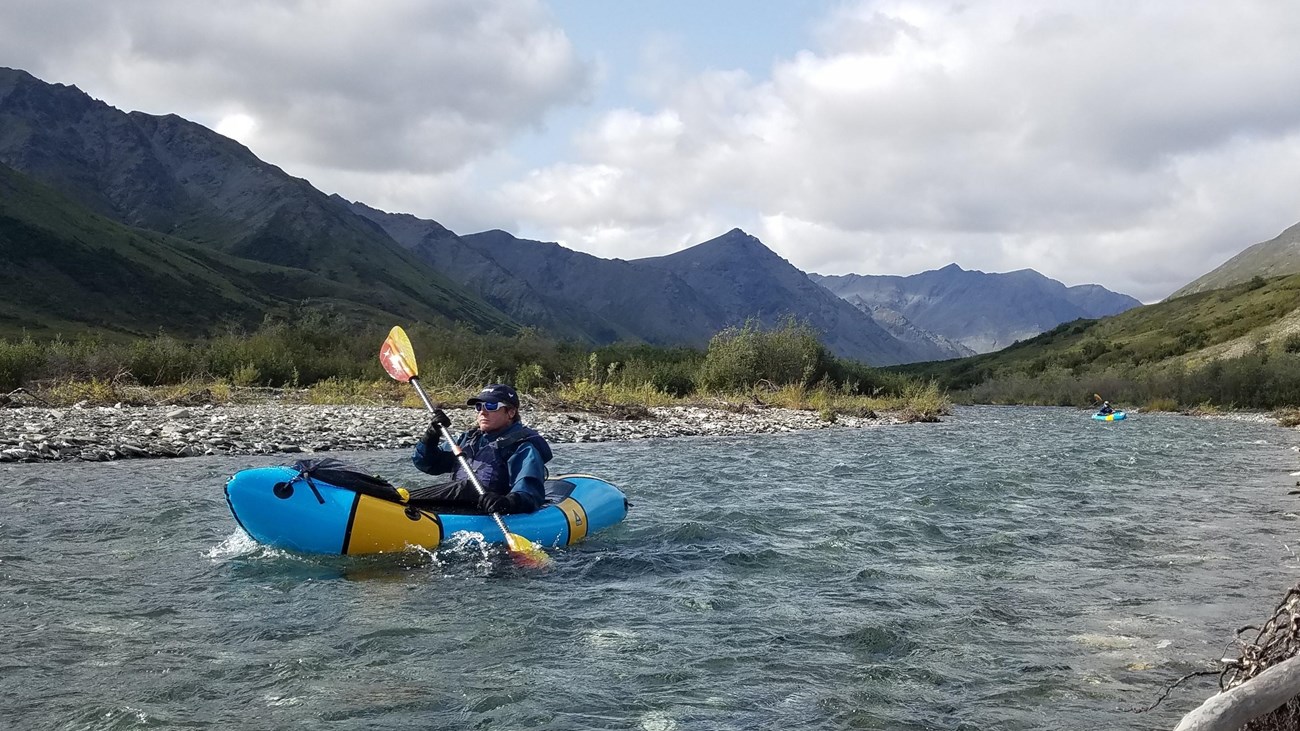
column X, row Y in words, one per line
column 679, row 299
column 743, row 278
column 900, row 327
column 1273, row 258
column 69, row 270
column 171, row 176
column 566, row 293
column 178, row 202
column 984, row 312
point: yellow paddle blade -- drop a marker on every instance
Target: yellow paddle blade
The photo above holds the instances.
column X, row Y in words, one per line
column 397, row 356
column 527, row 553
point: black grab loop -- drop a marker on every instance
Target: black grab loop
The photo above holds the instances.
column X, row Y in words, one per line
column 338, row 474
column 283, row 490
column 312, row 485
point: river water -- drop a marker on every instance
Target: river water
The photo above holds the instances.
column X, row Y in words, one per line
column 1010, row 568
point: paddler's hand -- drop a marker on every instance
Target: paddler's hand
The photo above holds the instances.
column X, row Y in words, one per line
column 490, row 502
column 433, row 434
column 507, row 504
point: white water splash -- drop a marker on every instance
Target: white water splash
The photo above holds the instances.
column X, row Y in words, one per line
column 471, row 547
column 613, row 640
column 1106, row 642
column 239, row 544
column 658, row 721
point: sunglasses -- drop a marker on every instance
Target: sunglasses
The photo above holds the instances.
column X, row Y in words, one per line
column 489, row 406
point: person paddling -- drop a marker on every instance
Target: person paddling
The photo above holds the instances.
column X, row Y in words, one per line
column 507, row 457
column 1105, row 408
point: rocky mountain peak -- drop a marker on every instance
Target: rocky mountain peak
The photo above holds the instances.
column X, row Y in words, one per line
column 732, row 250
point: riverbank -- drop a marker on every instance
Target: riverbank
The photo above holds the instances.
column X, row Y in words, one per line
column 104, row 433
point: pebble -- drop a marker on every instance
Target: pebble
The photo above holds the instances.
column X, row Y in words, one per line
column 37, row 434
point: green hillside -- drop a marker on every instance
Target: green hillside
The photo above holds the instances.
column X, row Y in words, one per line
column 1276, row 257
column 167, row 175
column 69, row 271
column 1186, row 350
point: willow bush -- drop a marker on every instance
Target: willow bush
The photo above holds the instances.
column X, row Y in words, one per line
column 337, row 362
column 1263, row 378
column 740, row 358
column 19, row 363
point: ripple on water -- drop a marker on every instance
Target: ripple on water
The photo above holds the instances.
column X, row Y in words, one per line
column 1010, row 568
column 658, row 721
column 615, row 640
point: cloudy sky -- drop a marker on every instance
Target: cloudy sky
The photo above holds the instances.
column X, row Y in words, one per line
column 1135, row 145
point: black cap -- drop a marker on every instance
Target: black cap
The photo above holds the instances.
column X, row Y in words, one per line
column 496, row 393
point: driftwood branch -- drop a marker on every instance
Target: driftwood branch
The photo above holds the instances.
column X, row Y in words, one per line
column 1170, row 688
column 18, row 395
column 1233, row 708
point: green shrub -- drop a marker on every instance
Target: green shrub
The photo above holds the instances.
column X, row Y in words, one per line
column 529, row 377
column 338, row 356
column 163, row 359
column 1161, row 404
column 1093, row 349
column 19, row 362
column 925, row 403
column 246, row 375
column 739, row 358
column 1288, row 418
column 674, row 379
column 93, row 391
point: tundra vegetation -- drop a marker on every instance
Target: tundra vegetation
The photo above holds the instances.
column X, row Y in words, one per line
column 1232, row 348
column 316, row 358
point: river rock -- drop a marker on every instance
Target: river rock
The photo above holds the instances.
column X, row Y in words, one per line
column 138, row 432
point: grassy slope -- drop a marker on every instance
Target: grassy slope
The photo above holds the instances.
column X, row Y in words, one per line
column 69, row 271
column 1190, row 329
column 1276, row 257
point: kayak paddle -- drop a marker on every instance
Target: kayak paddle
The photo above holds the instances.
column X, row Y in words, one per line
column 398, row 358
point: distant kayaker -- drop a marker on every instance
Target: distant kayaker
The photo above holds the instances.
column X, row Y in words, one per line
column 1105, row 408
column 507, row 457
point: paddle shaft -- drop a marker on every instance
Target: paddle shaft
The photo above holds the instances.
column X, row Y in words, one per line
column 464, row 463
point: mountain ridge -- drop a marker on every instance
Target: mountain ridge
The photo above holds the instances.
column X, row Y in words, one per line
column 166, row 176
column 178, row 178
column 981, row 311
column 682, row 298
column 71, row 269
column 1279, row 256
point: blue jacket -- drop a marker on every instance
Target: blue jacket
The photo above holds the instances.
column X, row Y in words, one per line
column 525, row 467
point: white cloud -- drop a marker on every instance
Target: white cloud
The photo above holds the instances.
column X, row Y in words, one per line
column 1136, row 146
column 410, row 86
column 999, row 135
column 239, row 127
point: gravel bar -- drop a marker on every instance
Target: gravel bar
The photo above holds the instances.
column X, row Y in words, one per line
column 104, row 433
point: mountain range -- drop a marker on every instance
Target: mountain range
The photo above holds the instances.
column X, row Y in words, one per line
column 679, row 299
column 980, row 312
column 131, row 222
column 168, row 176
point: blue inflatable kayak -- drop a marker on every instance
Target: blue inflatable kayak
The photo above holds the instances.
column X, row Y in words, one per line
column 285, row 508
column 1112, row 416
